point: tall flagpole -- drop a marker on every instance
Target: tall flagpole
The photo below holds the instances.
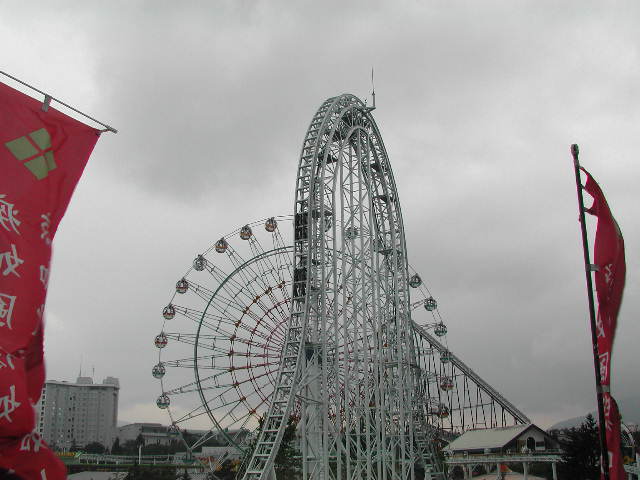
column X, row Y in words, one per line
column 588, row 268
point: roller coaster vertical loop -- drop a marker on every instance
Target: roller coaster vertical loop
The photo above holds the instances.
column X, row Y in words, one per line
column 349, row 357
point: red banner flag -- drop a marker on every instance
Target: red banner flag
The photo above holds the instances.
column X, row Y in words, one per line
column 609, row 280
column 42, row 156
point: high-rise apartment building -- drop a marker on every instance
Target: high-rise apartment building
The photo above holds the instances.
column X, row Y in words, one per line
column 78, row 413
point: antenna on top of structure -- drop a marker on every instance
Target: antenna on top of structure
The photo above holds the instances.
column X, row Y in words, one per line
column 373, row 90
column 80, row 373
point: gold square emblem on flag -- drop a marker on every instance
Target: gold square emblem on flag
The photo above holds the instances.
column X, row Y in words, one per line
column 35, row 151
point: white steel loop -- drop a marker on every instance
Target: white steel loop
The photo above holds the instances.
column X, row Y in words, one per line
column 348, row 356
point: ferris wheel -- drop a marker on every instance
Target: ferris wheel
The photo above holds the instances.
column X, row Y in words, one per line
column 223, row 332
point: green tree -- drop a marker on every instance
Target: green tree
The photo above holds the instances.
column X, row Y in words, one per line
column 153, row 449
column 137, row 472
column 116, row 449
column 581, row 457
column 94, row 447
column 288, row 461
column 129, row 448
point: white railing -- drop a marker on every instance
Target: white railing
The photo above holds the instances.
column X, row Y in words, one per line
column 518, row 457
column 118, row 459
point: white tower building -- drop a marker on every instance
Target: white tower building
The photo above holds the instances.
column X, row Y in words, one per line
column 78, row 413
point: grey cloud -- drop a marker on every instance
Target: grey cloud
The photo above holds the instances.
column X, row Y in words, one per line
column 477, row 105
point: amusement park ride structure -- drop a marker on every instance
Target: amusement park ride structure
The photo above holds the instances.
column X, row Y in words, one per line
column 310, row 317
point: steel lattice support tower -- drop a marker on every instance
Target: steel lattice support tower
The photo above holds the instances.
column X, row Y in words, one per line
column 349, row 358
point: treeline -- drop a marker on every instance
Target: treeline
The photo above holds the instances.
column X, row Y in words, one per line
column 130, row 447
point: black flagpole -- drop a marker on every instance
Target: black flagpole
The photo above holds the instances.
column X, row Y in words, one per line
column 588, row 268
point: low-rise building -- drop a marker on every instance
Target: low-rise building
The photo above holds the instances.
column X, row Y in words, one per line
column 151, row 433
column 496, row 447
column 516, row 439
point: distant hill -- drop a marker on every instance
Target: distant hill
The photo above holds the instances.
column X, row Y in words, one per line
column 571, row 422
column 122, row 423
column 629, row 409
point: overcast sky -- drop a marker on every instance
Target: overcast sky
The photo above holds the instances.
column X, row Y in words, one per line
column 478, row 103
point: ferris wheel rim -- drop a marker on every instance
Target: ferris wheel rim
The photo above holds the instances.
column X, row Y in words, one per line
column 279, row 248
column 195, row 367
column 216, row 426
column 265, row 253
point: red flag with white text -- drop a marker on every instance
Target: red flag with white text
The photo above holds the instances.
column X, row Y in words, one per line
column 42, row 156
column 609, row 280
